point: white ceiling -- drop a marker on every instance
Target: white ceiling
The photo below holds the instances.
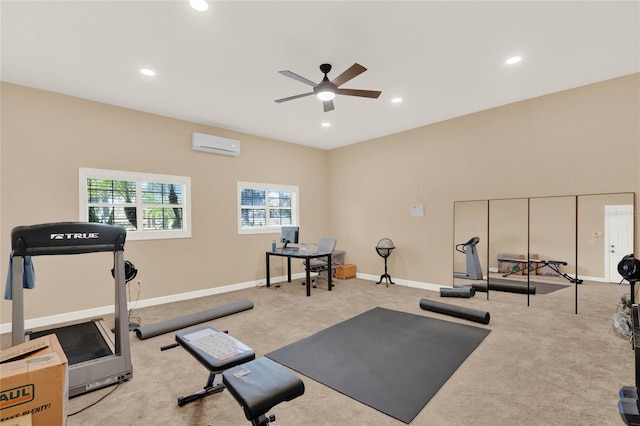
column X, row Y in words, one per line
column 220, row 67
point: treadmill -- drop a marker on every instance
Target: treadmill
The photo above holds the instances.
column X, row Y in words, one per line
column 98, row 357
column 474, row 270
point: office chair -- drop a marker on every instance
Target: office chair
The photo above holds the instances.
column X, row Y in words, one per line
column 319, row 265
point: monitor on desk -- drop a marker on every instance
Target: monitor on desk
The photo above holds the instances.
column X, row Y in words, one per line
column 289, row 234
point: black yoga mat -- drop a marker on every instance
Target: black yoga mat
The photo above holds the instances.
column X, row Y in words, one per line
column 173, row 324
column 464, row 292
column 392, row 361
column 538, row 286
column 456, row 311
column 506, row 287
column 541, row 287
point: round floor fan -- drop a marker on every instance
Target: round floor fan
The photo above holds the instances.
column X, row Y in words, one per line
column 384, row 248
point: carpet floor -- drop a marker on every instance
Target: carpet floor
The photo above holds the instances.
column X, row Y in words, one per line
column 541, row 364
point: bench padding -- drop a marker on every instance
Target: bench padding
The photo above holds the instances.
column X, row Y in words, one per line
column 208, row 360
column 261, row 384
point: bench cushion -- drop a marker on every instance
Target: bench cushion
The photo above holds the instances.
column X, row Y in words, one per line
column 214, row 349
column 261, row 384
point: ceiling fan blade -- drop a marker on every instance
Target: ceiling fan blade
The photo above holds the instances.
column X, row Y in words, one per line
column 328, row 106
column 362, row 93
column 290, row 98
column 297, row 77
column 351, row 72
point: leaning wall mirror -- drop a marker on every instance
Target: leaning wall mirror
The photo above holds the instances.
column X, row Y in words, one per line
column 560, row 253
column 508, row 231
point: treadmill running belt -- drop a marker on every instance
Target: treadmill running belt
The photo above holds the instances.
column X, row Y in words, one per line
column 80, row 342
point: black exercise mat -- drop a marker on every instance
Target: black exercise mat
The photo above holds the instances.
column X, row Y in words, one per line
column 392, row 361
column 541, row 287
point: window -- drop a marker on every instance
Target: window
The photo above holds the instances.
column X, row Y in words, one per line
column 264, row 208
column 148, row 206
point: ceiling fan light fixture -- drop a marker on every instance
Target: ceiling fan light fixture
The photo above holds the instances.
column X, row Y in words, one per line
column 199, row 5
column 326, row 95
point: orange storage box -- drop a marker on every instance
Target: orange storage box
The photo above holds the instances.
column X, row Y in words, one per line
column 344, row 272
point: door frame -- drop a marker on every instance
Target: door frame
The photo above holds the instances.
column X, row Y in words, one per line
column 607, row 216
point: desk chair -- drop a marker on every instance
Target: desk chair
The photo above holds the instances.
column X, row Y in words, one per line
column 319, row 265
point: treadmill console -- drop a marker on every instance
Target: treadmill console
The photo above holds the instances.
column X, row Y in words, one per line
column 66, row 238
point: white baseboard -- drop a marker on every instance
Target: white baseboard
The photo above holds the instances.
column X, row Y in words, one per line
column 585, row 278
column 106, row 310
column 398, row 281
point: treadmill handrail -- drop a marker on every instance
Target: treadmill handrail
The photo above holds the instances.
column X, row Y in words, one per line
column 472, row 242
column 67, row 238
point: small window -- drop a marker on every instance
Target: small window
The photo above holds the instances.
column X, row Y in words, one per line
column 264, row 208
column 148, row 206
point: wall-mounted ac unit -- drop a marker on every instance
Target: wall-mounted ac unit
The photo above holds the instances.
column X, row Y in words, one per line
column 215, row 144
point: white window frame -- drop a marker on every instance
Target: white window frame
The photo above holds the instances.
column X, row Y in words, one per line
column 139, row 234
column 268, row 229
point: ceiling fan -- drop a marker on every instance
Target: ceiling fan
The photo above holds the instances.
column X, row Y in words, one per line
column 327, row 89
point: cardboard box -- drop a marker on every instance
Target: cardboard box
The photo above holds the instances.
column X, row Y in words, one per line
column 35, row 381
column 18, row 421
column 344, row 272
column 511, row 268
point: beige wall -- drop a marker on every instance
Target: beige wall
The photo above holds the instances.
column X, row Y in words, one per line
column 580, row 141
column 46, row 137
column 507, row 228
column 552, row 230
column 584, row 140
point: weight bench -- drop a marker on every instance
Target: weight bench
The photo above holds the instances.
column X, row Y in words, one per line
column 257, row 384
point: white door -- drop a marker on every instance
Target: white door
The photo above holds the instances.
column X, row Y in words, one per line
column 618, row 238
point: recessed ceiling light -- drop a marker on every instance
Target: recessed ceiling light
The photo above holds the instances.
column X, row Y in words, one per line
column 396, row 100
column 148, row 72
column 513, row 60
column 199, row 5
column 325, row 124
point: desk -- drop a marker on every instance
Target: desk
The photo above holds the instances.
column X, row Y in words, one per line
column 302, row 254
